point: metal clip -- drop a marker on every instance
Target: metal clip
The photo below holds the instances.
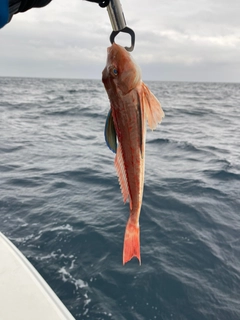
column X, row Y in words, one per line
column 118, row 22
column 116, row 15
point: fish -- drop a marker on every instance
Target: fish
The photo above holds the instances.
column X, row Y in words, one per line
column 132, row 104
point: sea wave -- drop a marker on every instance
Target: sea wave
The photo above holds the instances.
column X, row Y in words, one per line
column 61, row 204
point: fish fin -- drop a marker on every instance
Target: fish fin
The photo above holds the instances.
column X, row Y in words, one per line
column 110, row 133
column 152, row 107
column 122, row 176
column 131, row 246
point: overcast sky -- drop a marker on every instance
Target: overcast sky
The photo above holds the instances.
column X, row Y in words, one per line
column 176, row 40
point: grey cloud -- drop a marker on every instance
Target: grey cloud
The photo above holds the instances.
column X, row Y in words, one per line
column 175, row 40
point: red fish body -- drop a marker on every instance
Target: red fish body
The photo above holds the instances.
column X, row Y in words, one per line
column 132, row 104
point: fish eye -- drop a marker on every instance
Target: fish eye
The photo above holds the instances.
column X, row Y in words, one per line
column 115, row 72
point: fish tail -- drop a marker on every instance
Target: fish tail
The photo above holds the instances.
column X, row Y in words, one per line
column 131, row 246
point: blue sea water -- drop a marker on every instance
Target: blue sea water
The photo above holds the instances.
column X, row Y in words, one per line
column 61, row 205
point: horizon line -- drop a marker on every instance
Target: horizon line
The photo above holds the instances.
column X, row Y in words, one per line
column 99, row 79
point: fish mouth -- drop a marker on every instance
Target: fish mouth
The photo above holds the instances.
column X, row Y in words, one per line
column 110, row 49
column 110, row 57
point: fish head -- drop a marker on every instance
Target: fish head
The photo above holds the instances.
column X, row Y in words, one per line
column 121, row 72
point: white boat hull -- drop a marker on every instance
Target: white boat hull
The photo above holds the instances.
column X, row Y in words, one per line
column 24, row 294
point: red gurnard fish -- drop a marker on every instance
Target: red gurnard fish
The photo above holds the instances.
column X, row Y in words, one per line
column 132, row 103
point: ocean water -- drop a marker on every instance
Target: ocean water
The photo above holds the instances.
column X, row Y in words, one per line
column 60, row 202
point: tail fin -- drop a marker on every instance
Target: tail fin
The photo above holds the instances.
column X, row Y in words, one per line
column 131, row 246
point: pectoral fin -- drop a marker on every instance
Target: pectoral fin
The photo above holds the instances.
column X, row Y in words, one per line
column 110, row 133
column 152, row 107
